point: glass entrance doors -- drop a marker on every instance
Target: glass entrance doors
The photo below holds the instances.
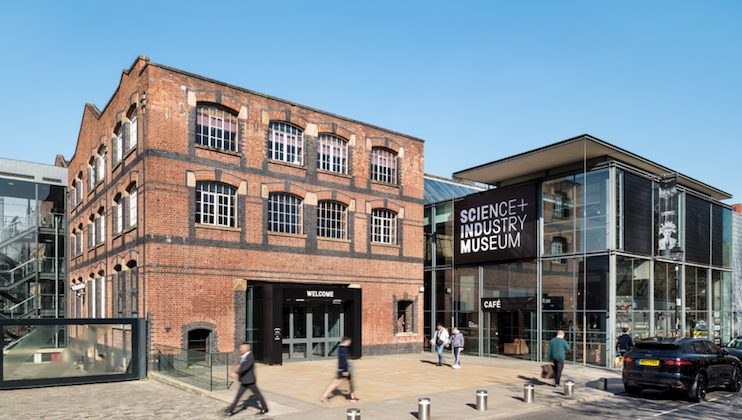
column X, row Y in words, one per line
column 311, row 331
column 510, row 333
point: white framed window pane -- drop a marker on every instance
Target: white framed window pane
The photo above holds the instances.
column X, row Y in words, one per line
column 332, row 153
column 331, row 220
column 384, row 226
column 133, row 207
column 285, row 213
column 133, row 131
column 383, row 166
column 216, row 127
column 215, row 204
column 285, row 143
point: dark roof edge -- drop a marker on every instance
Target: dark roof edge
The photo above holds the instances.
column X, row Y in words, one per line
column 608, row 145
column 150, row 63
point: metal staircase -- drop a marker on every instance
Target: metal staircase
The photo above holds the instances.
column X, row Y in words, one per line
column 18, row 266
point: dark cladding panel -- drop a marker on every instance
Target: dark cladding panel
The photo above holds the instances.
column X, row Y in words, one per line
column 717, row 236
column 697, row 230
column 637, row 212
column 497, row 225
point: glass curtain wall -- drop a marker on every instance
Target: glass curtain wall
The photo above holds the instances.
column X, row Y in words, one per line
column 632, row 296
column 32, row 249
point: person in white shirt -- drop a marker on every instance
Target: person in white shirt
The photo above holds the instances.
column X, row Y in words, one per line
column 440, row 341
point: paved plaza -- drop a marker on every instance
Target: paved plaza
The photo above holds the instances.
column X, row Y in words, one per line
column 388, row 386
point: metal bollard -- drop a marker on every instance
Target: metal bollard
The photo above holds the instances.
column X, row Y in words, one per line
column 482, row 400
column 423, row 409
column 602, row 384
column 528, row 393
column 569, row 389
column 354, row 414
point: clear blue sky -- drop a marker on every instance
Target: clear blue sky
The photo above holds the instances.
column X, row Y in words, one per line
column 478, row 81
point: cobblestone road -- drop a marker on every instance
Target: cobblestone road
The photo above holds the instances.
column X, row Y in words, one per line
column 120, row 400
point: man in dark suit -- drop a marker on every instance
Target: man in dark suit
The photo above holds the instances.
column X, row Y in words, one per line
column 246, row 374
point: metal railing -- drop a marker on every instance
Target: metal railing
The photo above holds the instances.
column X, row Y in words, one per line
column 21, row 308
column 206, row 370
column 10, row 277
column 17, row 226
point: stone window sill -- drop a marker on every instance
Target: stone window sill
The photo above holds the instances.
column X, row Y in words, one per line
column 216, row 227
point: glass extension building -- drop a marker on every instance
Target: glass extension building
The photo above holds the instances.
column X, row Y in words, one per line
column 608, row 231
column 32, row 240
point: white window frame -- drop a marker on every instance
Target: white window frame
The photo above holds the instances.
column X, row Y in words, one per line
column 383, row 165
column 332, row 220
column 132, row 139
column 79, row 241
column 100, row 228
column 73, row 243
column 91, row 234
column 332, row 154
column 285, row 213
column 132, row 206
column 117, row 146
column 383, row 227
column 216, row 127
column 216, row 204
column 285, row 143
column 118, row 217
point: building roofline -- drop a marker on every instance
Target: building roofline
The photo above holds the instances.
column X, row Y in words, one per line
column 477, row 173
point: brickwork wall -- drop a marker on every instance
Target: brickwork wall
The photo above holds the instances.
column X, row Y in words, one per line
column 191, row 275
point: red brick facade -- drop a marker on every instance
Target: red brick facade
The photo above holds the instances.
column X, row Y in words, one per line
column 184, row 275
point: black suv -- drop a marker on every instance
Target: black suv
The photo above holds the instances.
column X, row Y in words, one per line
column 692, row 365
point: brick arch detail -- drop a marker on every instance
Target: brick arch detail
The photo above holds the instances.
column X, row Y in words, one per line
column 386, row 204
column 200, row 325
column 333, row 195
column 287, row 116
column 204, row 97
column 284, row 187
column 384, row 142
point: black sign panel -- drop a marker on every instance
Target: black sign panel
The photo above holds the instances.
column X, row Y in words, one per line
column 313, row 292
column 527, row 303
column 498, row 225
column 668, row 234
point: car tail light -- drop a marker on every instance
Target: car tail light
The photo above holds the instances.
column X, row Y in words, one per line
column 628, row 359
column 677, row 362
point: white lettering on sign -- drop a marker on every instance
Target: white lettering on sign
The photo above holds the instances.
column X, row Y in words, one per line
column 493, row 304
column 492, row 227
column 321, row 293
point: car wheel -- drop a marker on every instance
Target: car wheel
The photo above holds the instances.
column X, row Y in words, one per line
column 697, row 392
column 633, row 390
column 736, row 383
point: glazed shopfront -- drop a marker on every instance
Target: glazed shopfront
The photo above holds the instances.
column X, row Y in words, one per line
column 579, row 236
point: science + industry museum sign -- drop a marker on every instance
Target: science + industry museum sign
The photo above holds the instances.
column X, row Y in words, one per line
column 497, row 225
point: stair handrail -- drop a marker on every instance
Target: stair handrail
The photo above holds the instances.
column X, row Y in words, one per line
column 10, row 309
column 14, row 269
column 29, row 222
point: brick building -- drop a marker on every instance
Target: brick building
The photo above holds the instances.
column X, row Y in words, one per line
column 223, row 215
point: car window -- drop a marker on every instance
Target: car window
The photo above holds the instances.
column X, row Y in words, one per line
column 699, row 348
column 712, row 348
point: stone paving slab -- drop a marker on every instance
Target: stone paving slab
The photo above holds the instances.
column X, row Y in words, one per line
column 389, row 388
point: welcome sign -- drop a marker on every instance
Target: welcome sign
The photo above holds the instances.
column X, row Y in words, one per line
column 498, row 225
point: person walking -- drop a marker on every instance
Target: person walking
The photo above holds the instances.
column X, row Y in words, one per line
column 558, row 347
column 245, row 372
column 344, row 369
column 440, row 341
column 624, row 343
column 457, row 343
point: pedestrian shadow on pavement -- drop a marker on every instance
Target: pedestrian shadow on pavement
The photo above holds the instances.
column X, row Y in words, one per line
column 434, row 363
column 474, row 406
column 614, row 385
column 533, row 381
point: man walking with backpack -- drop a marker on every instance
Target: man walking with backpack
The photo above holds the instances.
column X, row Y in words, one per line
column 624, row 343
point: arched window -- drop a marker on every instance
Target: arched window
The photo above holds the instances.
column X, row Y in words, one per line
column 285, row 213
column 285, row 143
column 332, row 220
column 383, row 165
column 117, row 141
column 216, row 127
column 132, row 133
column 332, row 152
column 100, row 226
column 78, row 239
column 117, row 215
column 383, row 226
column 215, row 204
column 133, row 205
